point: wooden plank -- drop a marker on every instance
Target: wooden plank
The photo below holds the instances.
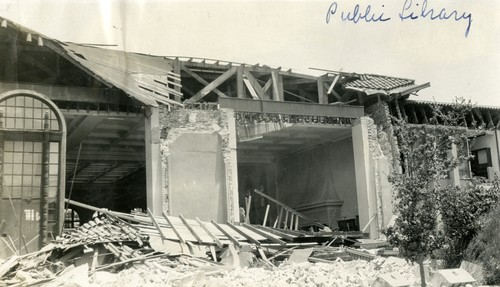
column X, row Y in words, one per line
column 276, row 232
column 214, row 84
column 248, row 237
column 231, row 238
column 201, row 80
column 155, row 223
column 174, row 228
column 190, row 229
column 264, row 234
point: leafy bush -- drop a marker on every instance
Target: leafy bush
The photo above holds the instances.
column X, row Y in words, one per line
column 461, row 209
column 485, row 246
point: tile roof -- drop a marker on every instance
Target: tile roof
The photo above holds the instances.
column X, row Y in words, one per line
column 376, row 82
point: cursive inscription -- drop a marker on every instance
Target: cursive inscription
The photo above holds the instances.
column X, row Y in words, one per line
column 356, row 14
column 410, row 11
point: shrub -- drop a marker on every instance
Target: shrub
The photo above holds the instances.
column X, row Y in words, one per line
column 485, row 246
column 461, row 209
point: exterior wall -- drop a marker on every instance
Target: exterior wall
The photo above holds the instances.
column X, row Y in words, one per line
column 489, row 140
column 320, row 182
column 199, row 164
column 381, row 116
column 374, row 192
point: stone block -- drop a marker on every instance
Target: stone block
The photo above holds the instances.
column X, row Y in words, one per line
column 393, row 279
column 452, row 278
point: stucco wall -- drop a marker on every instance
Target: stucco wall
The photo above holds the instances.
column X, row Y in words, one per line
column 198, row 163
column 320, row 182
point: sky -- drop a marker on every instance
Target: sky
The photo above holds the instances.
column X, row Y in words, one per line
column 453, row 44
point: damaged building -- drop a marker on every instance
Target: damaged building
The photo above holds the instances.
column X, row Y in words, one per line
column 204, row 138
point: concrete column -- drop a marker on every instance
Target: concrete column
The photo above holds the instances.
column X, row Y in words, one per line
column 153, row 161
column 365, row 187
column 232, row 171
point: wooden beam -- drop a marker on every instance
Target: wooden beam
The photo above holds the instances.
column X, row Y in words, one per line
column 125, row 134
column 264, row 234
column 171, row 226
column 190, row 228
column 266, row 87
column 104, row 172
column 240, row 90
column 255, row 84
column 210, row 87
column 276, row 232
column 248, row 237
column 277, row 86
column 214, row 238
column 322, row 99
column 71, row 94
column 335, row 94
column 155, row 223
column 231, row 238
column 82, row 131
column 251, row 89
column 297, row 96
column 334, row 82
column 201, row 80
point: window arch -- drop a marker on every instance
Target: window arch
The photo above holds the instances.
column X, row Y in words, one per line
column 32, row 159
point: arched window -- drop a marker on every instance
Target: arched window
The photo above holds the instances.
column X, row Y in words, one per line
column 32, row 149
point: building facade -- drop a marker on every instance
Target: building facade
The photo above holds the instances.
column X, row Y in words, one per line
column 197, row 137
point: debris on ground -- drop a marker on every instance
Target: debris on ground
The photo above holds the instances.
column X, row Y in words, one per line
column 117, row 249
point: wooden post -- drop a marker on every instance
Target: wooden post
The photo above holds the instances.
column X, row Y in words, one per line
column 286, row 220
column 249, row 204
column 321, row 92
column 265, row 216
column 277, row 85
column 240, row 89
column 280, row 216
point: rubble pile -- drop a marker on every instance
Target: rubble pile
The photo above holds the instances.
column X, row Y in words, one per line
column 126, row 250
column 336, row 273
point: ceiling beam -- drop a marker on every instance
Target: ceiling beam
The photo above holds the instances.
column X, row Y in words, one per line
column 71, row 94
column 125, row 134
column 82, row 131
column 104, row 172
column 200, row 79
column 214, row 84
